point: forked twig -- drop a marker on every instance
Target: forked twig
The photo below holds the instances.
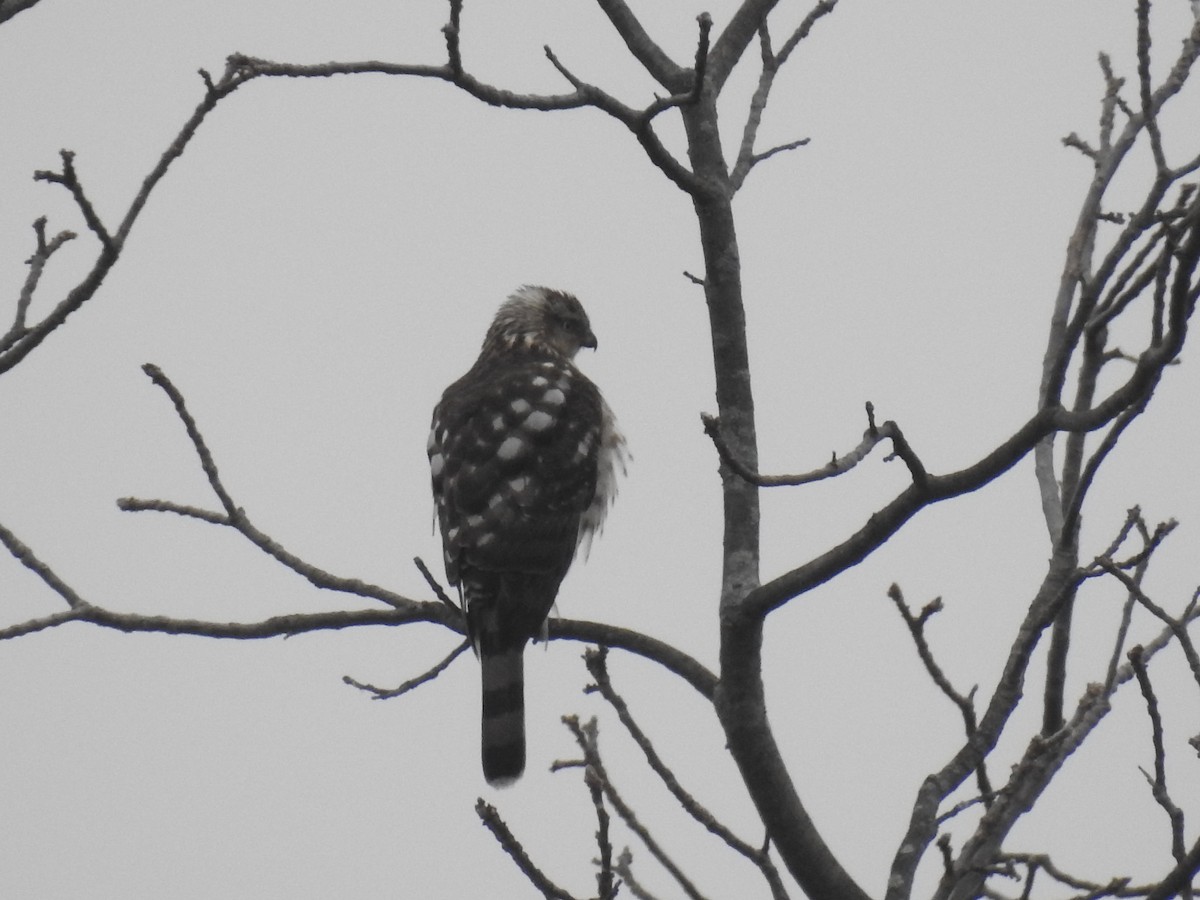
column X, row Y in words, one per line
column 235, row 517
column 37, row 265
column 585, row 735
column 70, row 180
column 965, row 704
column 596, row 660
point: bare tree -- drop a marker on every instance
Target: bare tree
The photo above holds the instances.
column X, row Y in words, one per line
column 1127, row 291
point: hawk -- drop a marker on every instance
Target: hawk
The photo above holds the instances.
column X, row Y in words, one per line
column 524, row 454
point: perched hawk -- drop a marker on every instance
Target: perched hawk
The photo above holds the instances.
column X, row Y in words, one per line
column 524, row 454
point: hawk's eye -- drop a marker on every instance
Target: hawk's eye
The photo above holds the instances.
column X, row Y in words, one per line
column 567, row 321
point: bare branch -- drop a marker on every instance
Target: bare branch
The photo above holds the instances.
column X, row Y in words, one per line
column 964, row 805
column 1179, row 878
column 235, row 517
column 1154, row 256
column 965, row 704
column 606, row 886
column 1078, row 143
column 1116, row 887
column 747, row 158
column 1158, row 783
column 732, row 42
column 197, row 439
column 37, row 263
column 936, row 488
column 25, row 556
column 670, row 658
column 693, row 91
column 433, row 583
column 563, row 70
column 819, row 11
column 586, row 736
column 379, row 693
column 452, row 31
column 1030, row 777
column 838, row 465
column 624, row 868
column 1133, row 517
column 1044, row 756
column 70, row 180
column 500, row 830
column 597, row 664
column 1143, row 65
column 287, row 625
column 404, row 610
column 1178, row 628
column 137, row 504
column 12, row 353
column 645, row 50
column 583, row 95
column 32, row 626
column 1062, row 340
column 1081, row 483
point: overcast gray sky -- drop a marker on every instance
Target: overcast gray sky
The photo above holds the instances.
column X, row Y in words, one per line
column 324, row 259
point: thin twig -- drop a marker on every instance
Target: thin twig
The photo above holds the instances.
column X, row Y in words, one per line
column 111, row 245
column 434, row 585
column 314, row 575
column 963, row 805
column 1143, row 66
column 70, row 180
column 586, row 737
column 138, row 504
column 378, row 693
column 1133, row 519
column 838, row 465
column 771, row 62
column 1116, row 887
column 236, row 518
column 26, row 557
column 1178, row 628
column 206, row 460
column 596, row 660
column 1158, row 782
column 583, row 94
column 287, row 625
column 965, row 704
column 605, row 884
column 624, row 868
column 37, row 264
column 1075, row 141
column 41, row 623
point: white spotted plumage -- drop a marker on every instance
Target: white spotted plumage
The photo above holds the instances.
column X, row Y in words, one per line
column 524, row 456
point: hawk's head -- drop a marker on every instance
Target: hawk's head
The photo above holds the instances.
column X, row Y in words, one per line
column 541, row 317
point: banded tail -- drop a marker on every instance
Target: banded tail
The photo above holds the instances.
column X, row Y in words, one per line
column 503, row 725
